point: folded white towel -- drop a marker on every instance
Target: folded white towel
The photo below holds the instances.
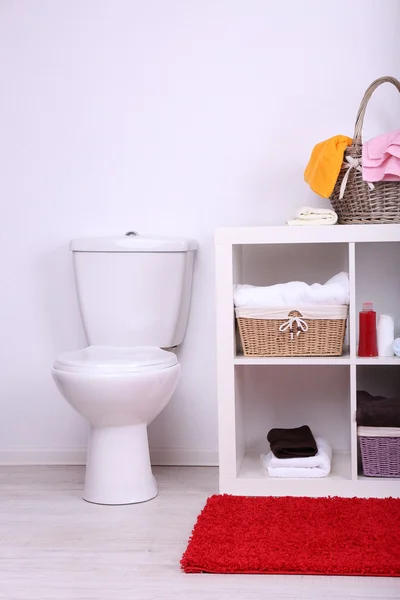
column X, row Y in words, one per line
column 311, row 467
column 314, row 216
column 294, row 294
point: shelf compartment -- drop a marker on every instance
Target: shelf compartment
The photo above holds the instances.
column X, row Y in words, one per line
column 379, row 380
column 271, row 264
column 377, row 278
column 314, row 395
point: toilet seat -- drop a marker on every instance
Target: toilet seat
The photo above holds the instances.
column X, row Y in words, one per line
column 114, row 359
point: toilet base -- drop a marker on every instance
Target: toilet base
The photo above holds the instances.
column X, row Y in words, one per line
column 118, row 469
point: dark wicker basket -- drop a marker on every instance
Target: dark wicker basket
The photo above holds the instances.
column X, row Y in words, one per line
column 360, row 204
column 380, row 456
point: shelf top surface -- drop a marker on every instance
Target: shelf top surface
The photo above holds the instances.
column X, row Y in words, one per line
column 345, row 359
column 284, row 234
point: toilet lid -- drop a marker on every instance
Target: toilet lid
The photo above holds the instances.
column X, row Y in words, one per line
column 113, row 359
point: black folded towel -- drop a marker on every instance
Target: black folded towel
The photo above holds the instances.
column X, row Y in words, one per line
column 377, row 411
column 292, row 443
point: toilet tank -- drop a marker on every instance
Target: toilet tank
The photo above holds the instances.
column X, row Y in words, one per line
column 134, row 290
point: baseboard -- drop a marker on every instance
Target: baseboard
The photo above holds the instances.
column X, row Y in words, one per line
column 181, row 457
column 77, row 456
column 43, row 456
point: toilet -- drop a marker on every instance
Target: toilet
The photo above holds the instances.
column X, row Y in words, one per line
column 134, row 296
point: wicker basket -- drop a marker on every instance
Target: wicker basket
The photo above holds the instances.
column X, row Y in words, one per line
column 360, row 204
column 312, row 331
column 380, row 451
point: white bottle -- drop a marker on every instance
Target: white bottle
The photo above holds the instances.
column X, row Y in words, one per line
column 385, row 335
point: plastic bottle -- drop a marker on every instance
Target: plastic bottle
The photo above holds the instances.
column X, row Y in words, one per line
column 367, row 342
column 385, row 335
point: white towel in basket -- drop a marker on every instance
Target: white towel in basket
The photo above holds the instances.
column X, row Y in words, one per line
column 295, row 293
column 312, row 466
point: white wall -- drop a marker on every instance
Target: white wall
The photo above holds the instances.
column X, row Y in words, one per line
column 171, row 116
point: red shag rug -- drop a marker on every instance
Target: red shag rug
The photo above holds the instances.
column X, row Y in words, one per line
column 315, row 536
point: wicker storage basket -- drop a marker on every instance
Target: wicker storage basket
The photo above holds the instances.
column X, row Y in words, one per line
column 311, row 331
column 380, row 451
column 360, row 204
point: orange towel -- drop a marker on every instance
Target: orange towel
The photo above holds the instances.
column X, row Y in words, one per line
column 324, row 165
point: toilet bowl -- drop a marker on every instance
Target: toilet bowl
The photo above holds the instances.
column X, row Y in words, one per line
column 119, row 390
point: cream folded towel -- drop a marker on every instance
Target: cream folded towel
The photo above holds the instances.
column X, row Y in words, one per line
column 311, row 467
column 314, row 216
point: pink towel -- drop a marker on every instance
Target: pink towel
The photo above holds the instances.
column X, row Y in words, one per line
column 381, row 158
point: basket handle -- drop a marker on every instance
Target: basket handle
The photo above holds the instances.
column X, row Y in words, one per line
column 364, row 102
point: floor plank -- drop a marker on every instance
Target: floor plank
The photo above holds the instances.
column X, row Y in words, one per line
column 55, row 546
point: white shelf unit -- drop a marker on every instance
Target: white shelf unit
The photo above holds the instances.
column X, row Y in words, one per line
column 257, row 394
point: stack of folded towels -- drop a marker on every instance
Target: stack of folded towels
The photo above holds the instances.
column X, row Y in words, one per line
column 296, row 453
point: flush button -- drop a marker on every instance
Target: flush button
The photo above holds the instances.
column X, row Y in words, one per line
column 131, row 233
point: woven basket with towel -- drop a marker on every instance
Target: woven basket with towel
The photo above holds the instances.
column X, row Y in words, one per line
column 354, row 200
column 310, row 331
column 293, row 319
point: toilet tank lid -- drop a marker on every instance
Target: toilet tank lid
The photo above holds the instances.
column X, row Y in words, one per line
column 133, row 242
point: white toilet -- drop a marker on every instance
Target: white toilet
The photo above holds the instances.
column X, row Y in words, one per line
column 134, row 295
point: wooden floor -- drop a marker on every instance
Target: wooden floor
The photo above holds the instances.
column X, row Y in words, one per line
column 56, row 546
